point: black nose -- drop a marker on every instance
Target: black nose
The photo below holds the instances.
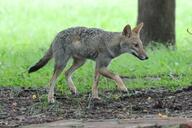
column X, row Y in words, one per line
column 143, row 57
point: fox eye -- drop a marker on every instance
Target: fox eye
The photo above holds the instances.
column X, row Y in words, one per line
column 136, row 45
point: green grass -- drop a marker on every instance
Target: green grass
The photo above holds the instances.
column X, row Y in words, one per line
column 28, row 27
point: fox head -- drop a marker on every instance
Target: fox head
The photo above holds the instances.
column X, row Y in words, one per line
column 131, row 42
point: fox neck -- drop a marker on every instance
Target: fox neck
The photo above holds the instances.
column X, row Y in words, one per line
column 114, row 49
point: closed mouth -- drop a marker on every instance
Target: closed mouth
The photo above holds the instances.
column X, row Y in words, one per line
column 141, row 58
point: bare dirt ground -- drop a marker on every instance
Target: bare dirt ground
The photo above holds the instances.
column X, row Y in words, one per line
column 118, row 123
column 23, row 106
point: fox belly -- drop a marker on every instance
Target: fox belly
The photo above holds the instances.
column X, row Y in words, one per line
column 86, row 54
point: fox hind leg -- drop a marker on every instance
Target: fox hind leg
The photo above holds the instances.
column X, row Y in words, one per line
column 56, row 73
column 60, row 63
column 68, row 74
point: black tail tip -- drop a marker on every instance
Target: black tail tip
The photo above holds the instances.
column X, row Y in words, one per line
column 32, row 69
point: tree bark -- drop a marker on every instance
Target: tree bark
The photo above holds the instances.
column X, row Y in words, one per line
column 158, row 17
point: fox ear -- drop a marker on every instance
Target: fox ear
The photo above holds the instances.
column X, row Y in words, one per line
column 127, row 31
column 138, row 28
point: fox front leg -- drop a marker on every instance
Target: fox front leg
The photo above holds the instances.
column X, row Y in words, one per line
column 120, row 84
column 102, row 64
column 95, row 85
column 100, row 61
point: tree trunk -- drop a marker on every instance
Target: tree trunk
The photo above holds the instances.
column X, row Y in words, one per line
column 158, row 17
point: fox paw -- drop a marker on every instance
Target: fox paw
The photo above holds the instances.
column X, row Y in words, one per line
column 51, row 99
column 96, row 98
column 123, row 90
column 75, row 94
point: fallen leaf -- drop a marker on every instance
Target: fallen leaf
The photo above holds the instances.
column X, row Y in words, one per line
column 34, row 97
column 149, row 98
column 162, row 115
column 14, row 104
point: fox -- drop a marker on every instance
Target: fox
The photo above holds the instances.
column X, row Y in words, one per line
column 82, row 43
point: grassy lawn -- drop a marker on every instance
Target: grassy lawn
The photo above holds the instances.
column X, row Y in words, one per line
column 28, row 27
